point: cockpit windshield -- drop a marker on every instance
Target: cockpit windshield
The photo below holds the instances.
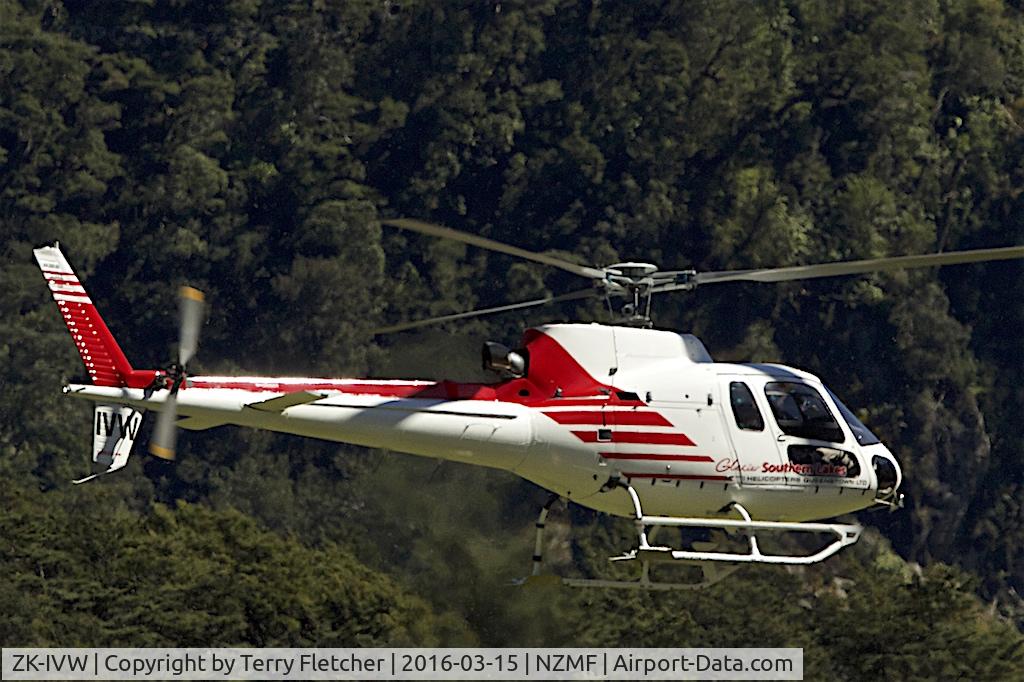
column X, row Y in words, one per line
column 800, row 411
column 860, row 432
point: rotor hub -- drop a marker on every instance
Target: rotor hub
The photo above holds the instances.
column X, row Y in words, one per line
column 637, row 283
column 632, row 270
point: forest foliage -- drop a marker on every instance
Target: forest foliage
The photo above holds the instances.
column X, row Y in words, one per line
column 250, row 149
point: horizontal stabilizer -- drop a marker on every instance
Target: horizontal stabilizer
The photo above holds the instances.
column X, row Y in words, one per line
column 283, row 402
column 198, row 423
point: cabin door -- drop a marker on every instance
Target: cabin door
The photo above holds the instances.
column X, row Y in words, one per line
column 757, row 459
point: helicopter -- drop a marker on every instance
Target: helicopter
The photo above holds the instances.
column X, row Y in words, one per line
column 620, row 418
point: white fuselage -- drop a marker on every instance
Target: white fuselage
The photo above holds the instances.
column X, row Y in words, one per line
column 666, row 426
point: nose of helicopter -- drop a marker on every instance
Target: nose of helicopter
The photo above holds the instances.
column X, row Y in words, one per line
column 888, row 476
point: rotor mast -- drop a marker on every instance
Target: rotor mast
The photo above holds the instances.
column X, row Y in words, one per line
column 636, row 282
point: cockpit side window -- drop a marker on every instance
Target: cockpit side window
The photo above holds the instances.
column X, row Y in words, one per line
column 744, row 409
column 800, row 411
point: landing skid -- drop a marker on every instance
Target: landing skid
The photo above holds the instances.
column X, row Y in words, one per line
column 715, row 565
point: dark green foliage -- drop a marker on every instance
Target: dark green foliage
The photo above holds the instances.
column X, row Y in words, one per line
column 250, row 147
column 81, row 571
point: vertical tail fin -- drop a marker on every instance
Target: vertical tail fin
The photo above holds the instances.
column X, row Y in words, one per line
column 103, row 358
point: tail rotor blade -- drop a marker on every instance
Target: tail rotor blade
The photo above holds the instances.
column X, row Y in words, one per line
column 165, row 433
column 191, row 310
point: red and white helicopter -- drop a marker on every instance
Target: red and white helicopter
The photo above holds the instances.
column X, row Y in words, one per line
column 624, row 419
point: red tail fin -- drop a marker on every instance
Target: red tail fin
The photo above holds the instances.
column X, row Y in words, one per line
column 103, row 358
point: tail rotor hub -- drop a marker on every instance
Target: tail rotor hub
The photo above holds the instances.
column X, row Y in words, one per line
column 174, row 377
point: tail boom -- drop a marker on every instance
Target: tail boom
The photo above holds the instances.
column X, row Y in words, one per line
column 489, row 433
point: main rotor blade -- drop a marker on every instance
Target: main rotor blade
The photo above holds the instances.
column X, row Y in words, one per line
column 165, row 433
column 484, row 243
column 853, row 267
column 575, row 295
column 191, row 312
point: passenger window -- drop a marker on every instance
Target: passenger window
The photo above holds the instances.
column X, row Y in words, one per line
column 744, row 409
column 801, row 412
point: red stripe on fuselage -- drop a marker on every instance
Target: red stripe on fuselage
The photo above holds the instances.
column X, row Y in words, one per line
column 635, row 418
column 656, row 457
column 644, row 437
column 577, row 417
column 598, row 401
column 444, row 390
column 631, row 418
column 391, row 390
column 677, row 477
